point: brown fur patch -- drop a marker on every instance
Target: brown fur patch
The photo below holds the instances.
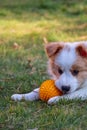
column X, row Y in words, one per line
column 53, row 69
column 53, row 48
column 82, row 51
column 81, row 66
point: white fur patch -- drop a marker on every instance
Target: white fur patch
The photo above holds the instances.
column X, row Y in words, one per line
column 34, row 95
column 66, row 58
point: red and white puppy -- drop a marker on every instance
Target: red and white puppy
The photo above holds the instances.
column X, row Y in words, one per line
column 68, row 67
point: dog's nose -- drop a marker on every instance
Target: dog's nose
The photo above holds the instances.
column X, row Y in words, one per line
column 65, row 89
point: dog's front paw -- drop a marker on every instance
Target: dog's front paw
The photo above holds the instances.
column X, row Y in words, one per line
column 16, row 97
column 53, row 100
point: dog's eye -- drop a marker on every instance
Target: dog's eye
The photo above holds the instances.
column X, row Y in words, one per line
column 60, row 71
column 75, row 72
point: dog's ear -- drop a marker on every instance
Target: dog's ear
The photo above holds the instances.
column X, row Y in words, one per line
column 53, row 48
column 82, row 50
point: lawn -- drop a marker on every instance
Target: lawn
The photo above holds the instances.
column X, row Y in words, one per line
column 23, row 25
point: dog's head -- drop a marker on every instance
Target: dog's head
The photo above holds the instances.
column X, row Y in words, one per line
column 67, row 64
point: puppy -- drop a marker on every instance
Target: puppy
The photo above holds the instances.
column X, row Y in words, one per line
column 67, row 65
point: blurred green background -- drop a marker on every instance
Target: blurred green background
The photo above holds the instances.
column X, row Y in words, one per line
column 23, row 25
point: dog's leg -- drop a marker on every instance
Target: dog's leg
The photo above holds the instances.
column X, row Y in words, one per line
column 34, row 95
column 80, row 94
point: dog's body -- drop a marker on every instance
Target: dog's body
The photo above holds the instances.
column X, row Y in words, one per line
column 68, row 67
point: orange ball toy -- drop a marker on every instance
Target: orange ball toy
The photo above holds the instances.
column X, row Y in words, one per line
column 48, row 90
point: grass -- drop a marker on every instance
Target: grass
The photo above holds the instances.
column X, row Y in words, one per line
column 23, row 68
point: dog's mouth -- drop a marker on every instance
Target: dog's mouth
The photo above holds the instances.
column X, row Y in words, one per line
column 65, row 92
